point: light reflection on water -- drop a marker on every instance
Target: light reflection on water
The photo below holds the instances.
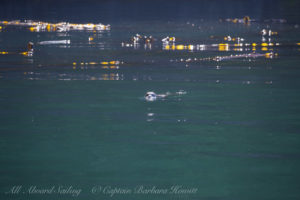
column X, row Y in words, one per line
column 102, row 46
column 78, row 109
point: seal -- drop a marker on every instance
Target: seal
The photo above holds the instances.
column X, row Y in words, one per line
column 150, row 96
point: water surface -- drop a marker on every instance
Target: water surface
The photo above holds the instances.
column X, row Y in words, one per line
column 233, row 135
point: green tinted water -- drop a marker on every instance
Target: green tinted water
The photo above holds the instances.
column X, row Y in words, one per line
column 233, row 135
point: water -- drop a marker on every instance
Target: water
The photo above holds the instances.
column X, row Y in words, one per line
column 233, row 135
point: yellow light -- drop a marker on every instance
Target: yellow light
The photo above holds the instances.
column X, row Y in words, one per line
column 32, row 29
column 179, row 47
column 246, row 19
column 223, row 47
column 268, row 55
column 190, row 47
column 49, row 27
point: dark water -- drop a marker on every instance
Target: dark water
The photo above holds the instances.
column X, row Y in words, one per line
column 233, row 135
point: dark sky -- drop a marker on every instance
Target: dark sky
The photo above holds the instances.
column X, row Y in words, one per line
column 132, row 10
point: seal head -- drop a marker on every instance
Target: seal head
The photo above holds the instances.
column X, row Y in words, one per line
column 150, row 96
